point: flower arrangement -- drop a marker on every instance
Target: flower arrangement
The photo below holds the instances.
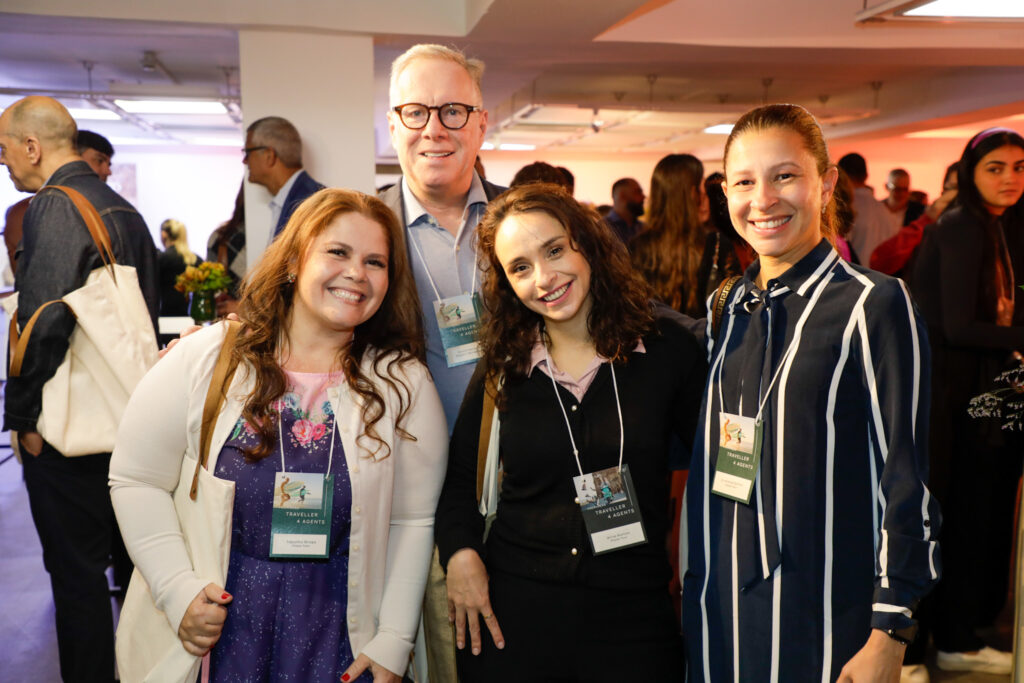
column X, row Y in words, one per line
column 206, row 277
column 1006, row 401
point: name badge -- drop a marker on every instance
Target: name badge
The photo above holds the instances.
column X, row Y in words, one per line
column 300, row 524
column 739, row 456
column 458, row 318
column 610, row 509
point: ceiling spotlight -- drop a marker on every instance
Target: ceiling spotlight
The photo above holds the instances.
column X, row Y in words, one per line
column 943, row 10
column 149, row 61
column 596, row 123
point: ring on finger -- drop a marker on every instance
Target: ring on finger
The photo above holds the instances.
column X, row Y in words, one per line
column 487, row 616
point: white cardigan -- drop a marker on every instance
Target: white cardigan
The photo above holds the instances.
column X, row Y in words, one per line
column 393, row 498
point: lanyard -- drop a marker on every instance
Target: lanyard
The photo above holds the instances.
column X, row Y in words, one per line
column 782, row 363
column 455, row 259
column 618, row 407
column 280, row 434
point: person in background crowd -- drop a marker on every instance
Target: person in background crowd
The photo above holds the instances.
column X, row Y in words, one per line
column 627, row 207
column 871, row 225
column 720, row 220
column 332, row 392
column 437, row 123
column 964, row 277
column 593, row 382
column 273, row 155
column 96, row 151
column 226, row 246
column 844, row 217
column 893, row 255
column 810, row 545
column 68, row 497
column 681, row 261
column 13, row 220
column 173, row 260
column 899, row 208
column 538, row 172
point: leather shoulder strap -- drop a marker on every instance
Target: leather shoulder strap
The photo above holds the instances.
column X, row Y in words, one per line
column 19, row 342
column 223, row 371
column 93, row 222
column 721, row 298
column 486, row 420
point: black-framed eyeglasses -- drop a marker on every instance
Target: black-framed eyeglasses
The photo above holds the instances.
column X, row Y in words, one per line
column 246, row 151
column 453, row 115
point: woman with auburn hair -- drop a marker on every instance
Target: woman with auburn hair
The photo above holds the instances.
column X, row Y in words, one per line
column 331, row 418
column 681, row 260
column 593, row 382
column 813, row 539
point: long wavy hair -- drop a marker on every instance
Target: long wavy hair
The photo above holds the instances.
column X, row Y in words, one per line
column 392, row 336
column 620, row 312
column 669, row 251
column 795, row 118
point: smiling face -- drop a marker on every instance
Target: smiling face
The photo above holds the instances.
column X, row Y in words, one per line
column 776, row 196
column 999, row 177
column 546, row 272
column 344, row 277
column 437, row 162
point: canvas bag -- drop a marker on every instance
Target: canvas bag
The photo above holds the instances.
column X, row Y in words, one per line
column 112, row 346
column 147, row 645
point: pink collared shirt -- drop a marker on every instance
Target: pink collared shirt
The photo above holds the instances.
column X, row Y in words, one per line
column 577, row 387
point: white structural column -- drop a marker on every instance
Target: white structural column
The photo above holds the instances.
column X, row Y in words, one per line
column 324, row 85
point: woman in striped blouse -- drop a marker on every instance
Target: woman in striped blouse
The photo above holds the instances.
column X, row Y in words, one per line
column 811, row 532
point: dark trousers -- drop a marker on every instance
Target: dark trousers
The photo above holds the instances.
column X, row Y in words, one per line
column 70, row 504
column 565, row 633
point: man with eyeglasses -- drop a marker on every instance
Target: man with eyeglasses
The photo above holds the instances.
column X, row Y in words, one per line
column 273, row 153
column 901, row 210
column 437, row 124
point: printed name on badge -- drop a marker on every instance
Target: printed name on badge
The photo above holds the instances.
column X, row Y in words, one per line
column 458, row 318
column 739, row 456
column 300, row 524
column 610, row 509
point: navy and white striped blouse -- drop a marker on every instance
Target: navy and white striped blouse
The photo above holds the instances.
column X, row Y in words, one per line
column 838, row 537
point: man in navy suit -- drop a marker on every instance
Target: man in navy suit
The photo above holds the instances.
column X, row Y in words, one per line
column 273, row 153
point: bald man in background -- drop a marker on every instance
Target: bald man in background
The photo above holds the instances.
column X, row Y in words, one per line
column 68, row 497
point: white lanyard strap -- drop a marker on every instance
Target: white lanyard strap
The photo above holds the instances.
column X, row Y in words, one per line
column 280, row 434
column 455, row 258
column 568, row 427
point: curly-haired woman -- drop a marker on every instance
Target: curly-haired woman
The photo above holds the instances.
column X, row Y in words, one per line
column 594, row 385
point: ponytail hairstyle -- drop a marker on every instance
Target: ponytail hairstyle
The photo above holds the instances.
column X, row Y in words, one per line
column 178, row 238
column 794, row 118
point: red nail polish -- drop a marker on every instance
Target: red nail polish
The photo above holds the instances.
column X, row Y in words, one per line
column 224, row 596
column 345, row 677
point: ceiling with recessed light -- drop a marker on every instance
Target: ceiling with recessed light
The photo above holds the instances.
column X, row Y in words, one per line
column 617, row 76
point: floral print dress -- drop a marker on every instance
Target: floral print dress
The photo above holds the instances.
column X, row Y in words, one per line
column 286, row 621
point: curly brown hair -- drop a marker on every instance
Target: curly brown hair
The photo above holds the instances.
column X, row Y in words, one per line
column 620, row 313
column 393, row 335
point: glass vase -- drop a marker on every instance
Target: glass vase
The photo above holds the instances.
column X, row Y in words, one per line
column 202, row 307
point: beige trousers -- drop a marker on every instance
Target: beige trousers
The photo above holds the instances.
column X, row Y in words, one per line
column 438, row 631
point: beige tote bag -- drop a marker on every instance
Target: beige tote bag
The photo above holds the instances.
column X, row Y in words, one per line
column 112, row 346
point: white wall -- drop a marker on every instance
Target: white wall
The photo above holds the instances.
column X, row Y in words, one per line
column 195, row 185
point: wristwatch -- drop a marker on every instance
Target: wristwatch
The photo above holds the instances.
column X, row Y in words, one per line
column 902, row 635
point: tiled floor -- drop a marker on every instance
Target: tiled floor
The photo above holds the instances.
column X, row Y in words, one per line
column 28, row 642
